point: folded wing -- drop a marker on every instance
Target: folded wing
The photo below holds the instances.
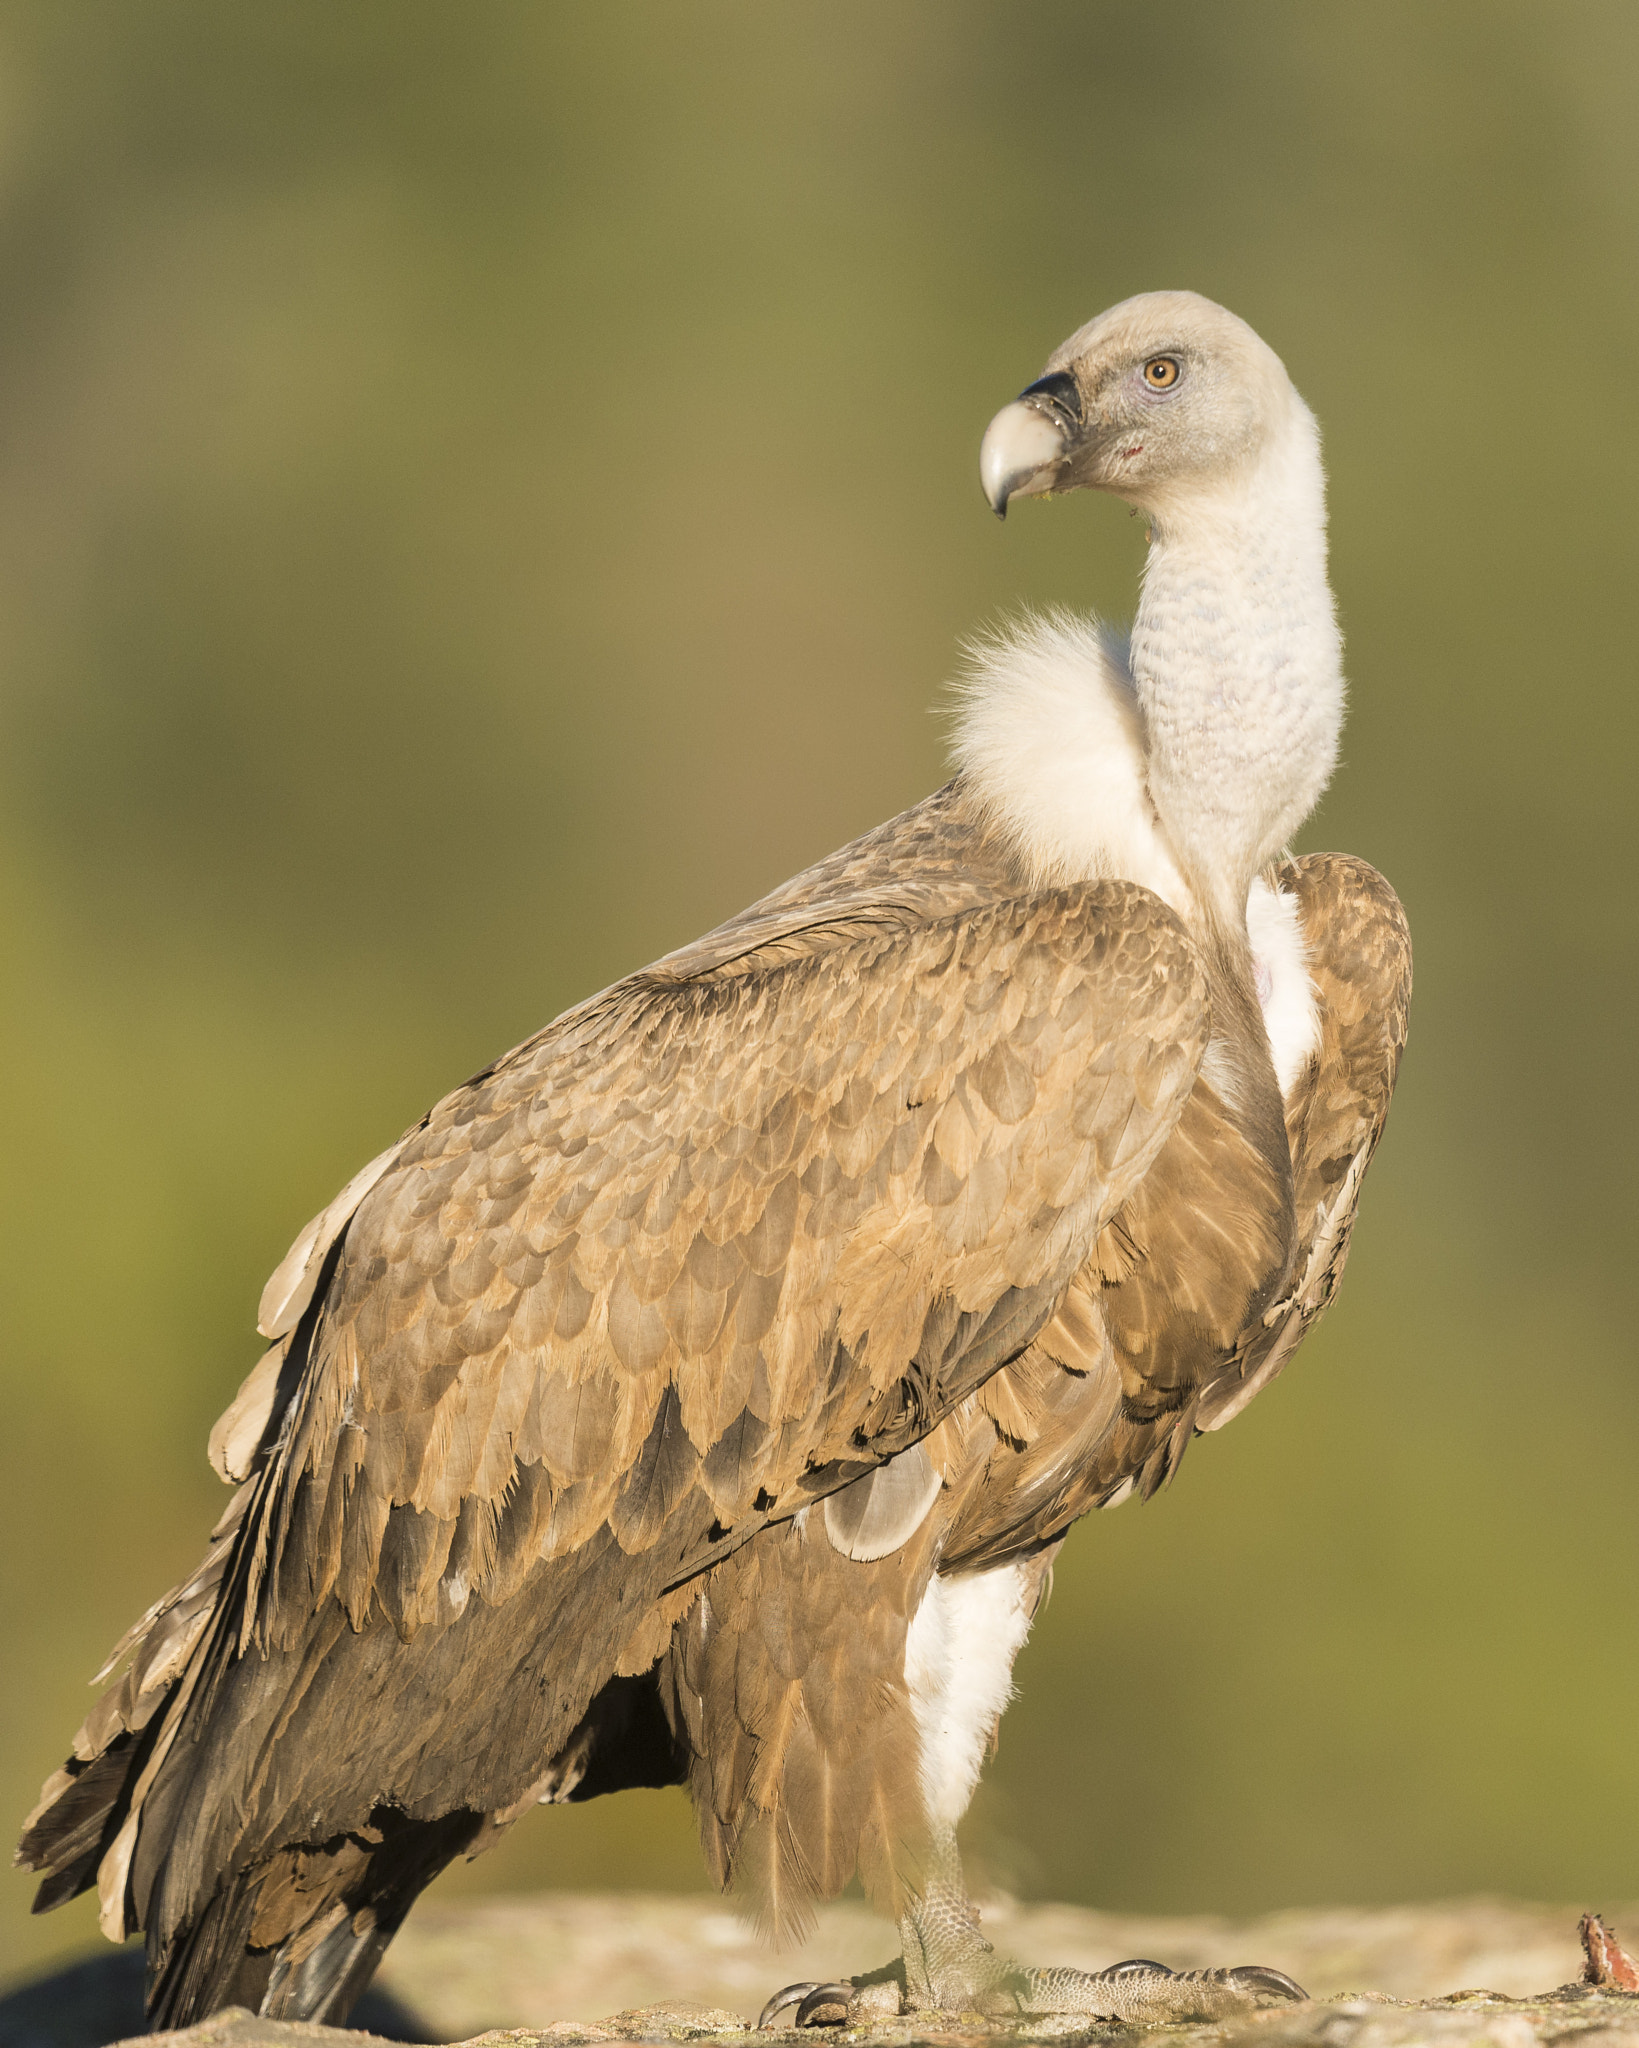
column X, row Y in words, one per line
column 698, row 1256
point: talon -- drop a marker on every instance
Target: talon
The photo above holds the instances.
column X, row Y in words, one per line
column 1134, row 1966
column 793, row 1994
column 1254, row 1977
column 826, row 1998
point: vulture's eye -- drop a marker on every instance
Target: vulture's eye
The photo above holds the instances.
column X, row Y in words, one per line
column 1161, row 372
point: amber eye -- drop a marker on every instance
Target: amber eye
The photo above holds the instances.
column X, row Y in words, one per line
column 1161, row 372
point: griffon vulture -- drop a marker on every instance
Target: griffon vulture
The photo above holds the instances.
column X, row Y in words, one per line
column 701, row 1392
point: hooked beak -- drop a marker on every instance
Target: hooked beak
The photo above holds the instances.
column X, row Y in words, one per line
column 1026, row 444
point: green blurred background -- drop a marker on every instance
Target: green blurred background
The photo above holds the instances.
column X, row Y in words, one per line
column 486, row 490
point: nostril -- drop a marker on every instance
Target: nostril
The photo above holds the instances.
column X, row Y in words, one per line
column 1059, row 394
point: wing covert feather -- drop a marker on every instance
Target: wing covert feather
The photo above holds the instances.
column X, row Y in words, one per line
column 1360, row 962
column 720, row 1232
column 1171, row 1329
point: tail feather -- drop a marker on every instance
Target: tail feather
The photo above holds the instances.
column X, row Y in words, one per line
column 299, row 1936
column 84, row 1806
column 294, row 1935
column 211, row 1964
column 81, row 1810
column 328, row 1980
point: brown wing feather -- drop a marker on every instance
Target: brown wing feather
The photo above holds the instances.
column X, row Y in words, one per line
column 1360, row 961
column 697, row 1255
column 833, row 1127
column 789, row 1676
column 1175, row 1324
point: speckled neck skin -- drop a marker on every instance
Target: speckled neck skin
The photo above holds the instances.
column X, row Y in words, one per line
column 1237, row 660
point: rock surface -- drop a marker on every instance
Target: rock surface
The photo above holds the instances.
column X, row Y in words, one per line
column 542, row 1970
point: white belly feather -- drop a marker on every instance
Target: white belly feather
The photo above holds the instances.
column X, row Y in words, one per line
column 959, row 1666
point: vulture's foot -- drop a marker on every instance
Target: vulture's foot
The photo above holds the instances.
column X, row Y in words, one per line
column 948, row 1966
column 1139, row 1992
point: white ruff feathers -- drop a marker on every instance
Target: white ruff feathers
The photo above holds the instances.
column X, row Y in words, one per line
column 1051, row 741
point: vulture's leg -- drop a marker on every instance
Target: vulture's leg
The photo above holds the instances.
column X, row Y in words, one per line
column 958, row 1667
column 947, row 1965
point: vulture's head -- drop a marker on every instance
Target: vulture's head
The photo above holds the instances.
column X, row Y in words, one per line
column 1164, row 396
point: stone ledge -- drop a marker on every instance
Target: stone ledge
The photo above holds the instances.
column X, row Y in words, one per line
column 535, row 1970
column 512, row 1961
column 1600, row 2019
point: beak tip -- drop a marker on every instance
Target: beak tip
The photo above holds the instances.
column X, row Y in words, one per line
column 1020, row 454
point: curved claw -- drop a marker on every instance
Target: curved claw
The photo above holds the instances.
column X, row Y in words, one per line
column 793, row 1994
column 1256, row 1978
column 807, row 1998
column 1134, row 1966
